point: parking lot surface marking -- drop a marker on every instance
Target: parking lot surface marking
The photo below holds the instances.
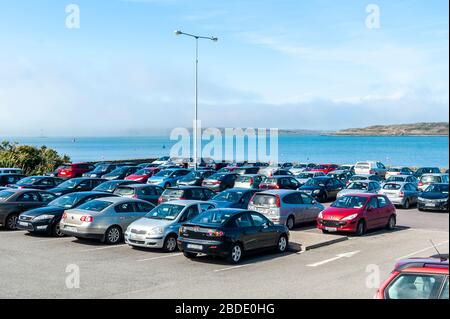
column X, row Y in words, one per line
column 160, row 257
column 102, row 248
column 339, row 256
column 422, row 250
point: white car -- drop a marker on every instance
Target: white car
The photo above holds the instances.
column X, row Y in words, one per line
column 370, row 167
column 398, row 170
column 162, row 160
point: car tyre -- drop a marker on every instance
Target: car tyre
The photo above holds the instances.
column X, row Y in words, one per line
column 361, row 228
column 406, row 205
column 11, row 221
column 325, row 231
column 391, row 223
column 170, row 243
column 283, row 244
column 235, row 254
column 290, row 223
column 56, row 230
column 189, row 255
column 113, row 235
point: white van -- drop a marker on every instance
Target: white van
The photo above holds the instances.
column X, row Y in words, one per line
column 370, row 167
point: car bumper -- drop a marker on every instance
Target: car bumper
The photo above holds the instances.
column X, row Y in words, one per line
column 144, row 241
column 207, row 247
column 38, row 227
column 82, row 232
column 397, row 200
column 432, row 205
column 337, row 225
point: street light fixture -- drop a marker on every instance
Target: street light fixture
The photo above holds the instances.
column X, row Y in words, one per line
column 196, row 37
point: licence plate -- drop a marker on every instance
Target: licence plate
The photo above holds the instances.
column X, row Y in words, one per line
column 23, row 224
column 137, row 237
column 196, row 247
column 71, row 229
column 332, row 229
column 430, row 205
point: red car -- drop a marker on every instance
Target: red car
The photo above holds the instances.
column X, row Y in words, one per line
column 325, row 168
column 73, row 170
column 417, row 278
column 141, row 176
column 357, row 213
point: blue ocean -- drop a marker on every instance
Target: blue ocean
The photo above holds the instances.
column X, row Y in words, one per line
column 404, row 150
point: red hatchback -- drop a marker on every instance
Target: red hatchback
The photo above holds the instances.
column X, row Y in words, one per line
column 143, row 175
column 358, row 213
column 325, row 168
column 73, row 170
column 417, row 278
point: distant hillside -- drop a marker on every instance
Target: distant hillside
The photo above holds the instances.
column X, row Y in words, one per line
column 425, row 129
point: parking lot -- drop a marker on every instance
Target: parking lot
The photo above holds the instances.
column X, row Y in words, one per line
column 44, row 267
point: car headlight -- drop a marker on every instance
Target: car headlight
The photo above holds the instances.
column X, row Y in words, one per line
column 317, row 191
column 320, row 215
column 420, row 199
column 43, row 217
column 353, row 216
column 156, row 231
column 442, row 200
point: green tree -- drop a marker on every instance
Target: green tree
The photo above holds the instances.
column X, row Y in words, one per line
column 31, row 159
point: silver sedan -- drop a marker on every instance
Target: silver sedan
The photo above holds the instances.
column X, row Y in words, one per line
column 104, row 219
column 159, row 228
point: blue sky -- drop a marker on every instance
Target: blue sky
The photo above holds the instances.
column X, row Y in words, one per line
column 278, row 63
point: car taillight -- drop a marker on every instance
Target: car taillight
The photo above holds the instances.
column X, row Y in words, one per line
column 277, row 201
column 371, row 171
column 64, row 216
column 134, row 196
column 181, row 230
column 160, row 200
column 420, row 184
column 216, row 182
column 251, row 181
column 215, row 233
column 401, row 194
column 87, row 219
column 182, row 198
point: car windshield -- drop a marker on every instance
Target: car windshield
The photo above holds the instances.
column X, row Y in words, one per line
column 95, row 205
column 316, row 182
column 107, row 186
column 173, row 192
column 123, row 191
column 142, row 172
column 67, row 201
column 299, row 166
column 194, row 175
column 270, row 181
column 362, row 165
column 395, row 179
column 70, row 184
column 264, row 200
column 430, row 179
column 305, row 175
column 350, row 202
column 28, row 180
column 164, row 173
column 392, row 186
column 358, row 177
column 229, row 196
column 4, row 195
column 165, row 211
column 101, row 168
column 356, row 185
column 212, row 217
column 217, row 177
column 119, row 170
column 415, row 286
column 437, row 189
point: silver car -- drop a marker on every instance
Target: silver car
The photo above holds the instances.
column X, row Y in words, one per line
column 286, row 207
column 303, row 177
column 159, row 228
column 360, row 187
column 427, row 179
column 403, row 178
column 248, row 181
column 104, row 219
column 401, row 193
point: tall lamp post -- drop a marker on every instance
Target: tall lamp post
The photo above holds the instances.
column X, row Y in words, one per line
column 196, row 37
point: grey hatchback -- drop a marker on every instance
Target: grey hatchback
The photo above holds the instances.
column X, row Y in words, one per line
column 149, row 193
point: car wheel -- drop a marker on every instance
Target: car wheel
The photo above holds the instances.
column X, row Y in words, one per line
column 361, row 228
column 406, row 204
column 325, row 231
column 235, row 254
column 421, row 209
column 11, row 222
column 56, row 230
column 113, row 235
column 290, row 223
column 170, row 243
column 391, row 223
column 283, row 244
column 189, row 255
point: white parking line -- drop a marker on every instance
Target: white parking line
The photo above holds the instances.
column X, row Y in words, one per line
column 103, row 247
column 422, row 250
column 231, row 268
column 13, row 232
column 160, row 257
column 337, row 257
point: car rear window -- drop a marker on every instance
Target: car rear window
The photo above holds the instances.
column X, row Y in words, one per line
column 270, row 181
column 212, row 217
column 124, row 191
column 392, row 186
column 4, row 195
column 95, row 205
column 264, row 200
column 173, row 193
column 243, row 179
column 356, row 185
column 430, row 179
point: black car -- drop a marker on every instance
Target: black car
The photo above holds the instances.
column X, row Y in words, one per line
column 230, row 233
column 121, row 172
column 220, row 181
column 111, row 186
column 426, row 170
column 323, row 188
column 282, row 172
column 15, row 201
column 100, row 170
column 234, row 198
column 195, row 178
column 46, row 219
column 342, row 175
column 80, row 184
column 186, row 192
column 9, row 179
column 435, row 197
column 38, row 182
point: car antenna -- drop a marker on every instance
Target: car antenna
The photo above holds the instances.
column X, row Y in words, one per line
column 440, row 255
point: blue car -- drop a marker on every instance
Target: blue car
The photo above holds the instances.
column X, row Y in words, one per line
column 234, row 198
column 168, row 177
